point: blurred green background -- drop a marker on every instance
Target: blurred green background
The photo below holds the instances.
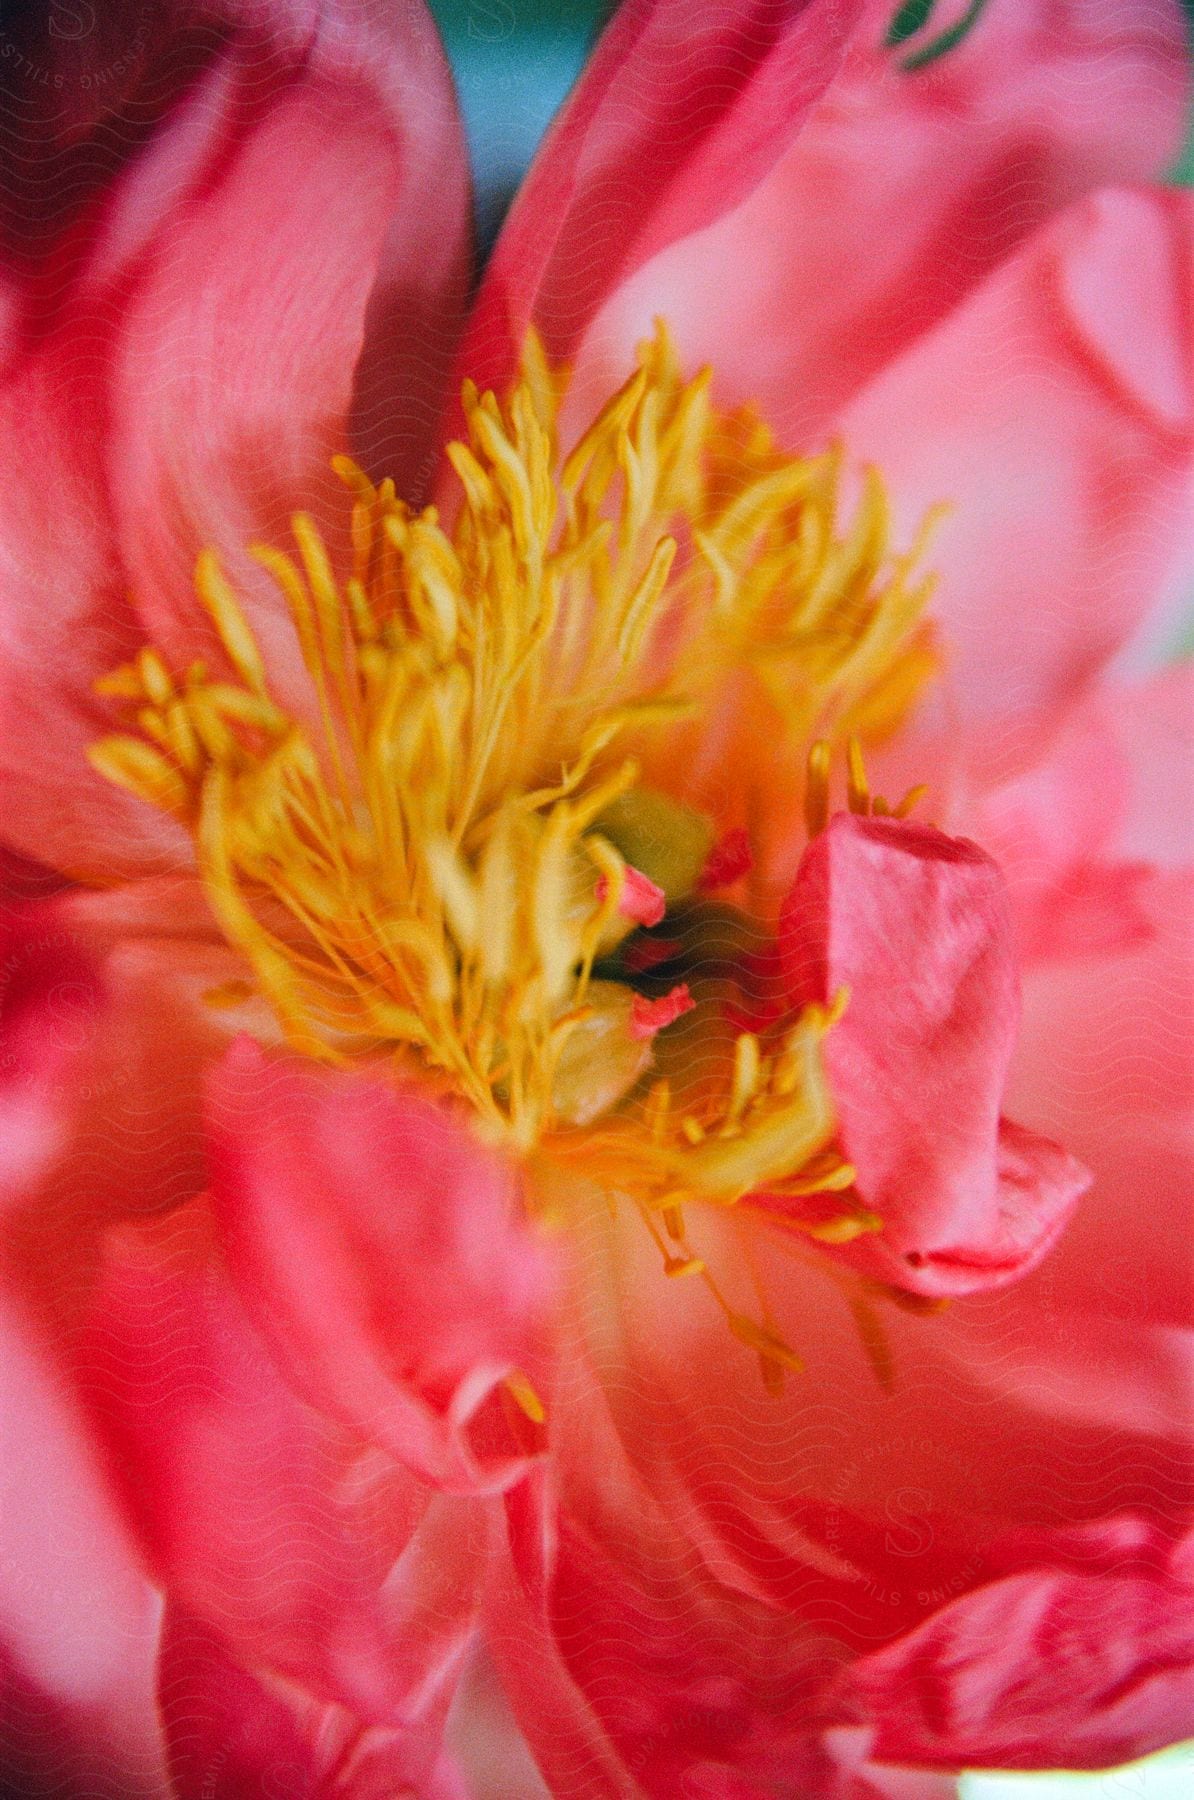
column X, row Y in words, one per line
column 514, row 61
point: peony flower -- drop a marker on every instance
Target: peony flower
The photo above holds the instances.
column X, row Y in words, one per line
column 592, row 1023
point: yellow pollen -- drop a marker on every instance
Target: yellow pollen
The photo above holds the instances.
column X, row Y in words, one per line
column 432, row 856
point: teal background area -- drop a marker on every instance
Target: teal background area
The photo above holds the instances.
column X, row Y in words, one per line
column 514, row 61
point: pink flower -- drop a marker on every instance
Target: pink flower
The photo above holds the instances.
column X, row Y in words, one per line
column 495, row 1148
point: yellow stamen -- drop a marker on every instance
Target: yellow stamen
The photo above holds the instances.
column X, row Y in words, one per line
column 427, row 857
column 859, row 797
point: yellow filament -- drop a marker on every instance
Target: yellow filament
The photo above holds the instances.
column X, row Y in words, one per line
column 859, row 797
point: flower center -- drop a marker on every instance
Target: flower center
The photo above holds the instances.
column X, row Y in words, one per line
column 450, row 857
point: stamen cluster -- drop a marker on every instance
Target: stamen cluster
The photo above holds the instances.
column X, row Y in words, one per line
column 429, row 861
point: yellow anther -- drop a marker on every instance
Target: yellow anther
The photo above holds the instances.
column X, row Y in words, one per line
column 725, row 575
column 353, row 476
column 845, row 1228
column 673, row 1221
column 676, row 1266
column 155, row 679
column 767, row 1343
column 457, row 892
column 816, row 788
column 604, row 430
column 181, row 739
column 326, row 600
column 826, row 1174
column 911, row 800
column 512, row 474
column 525, row 1397
column 228, row 994
column 746, row 1079
column 498, row 902
column 222, row 604
column 124, row 683
column 133, row 764
column 656, row 1108
column 858, row 791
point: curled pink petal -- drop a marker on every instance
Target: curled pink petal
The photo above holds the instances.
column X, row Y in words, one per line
column 977, row 1682
column 915, row 927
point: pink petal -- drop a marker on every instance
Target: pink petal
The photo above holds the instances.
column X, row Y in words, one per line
column 78, row 1618
column 377, row 1248
column 293, row 290
column 650, row 1016
column 901, row 192
column 1063, row 439
column 1071, row 832
column 1104, row 1060
column 205, row 273
column 858, row 1512
column 24, row 878
column 729, row 860
column 676, row 119
column 634, row 1671
column 640, row 898
column 491, row 1750
column 1154, row 724
column 915, row 926
column 567, row 1738
column 48, row 998
column 316, row 1558
column 234, row 1734
column 128, row 1139
column 64, row 617
column 1076, row 1666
